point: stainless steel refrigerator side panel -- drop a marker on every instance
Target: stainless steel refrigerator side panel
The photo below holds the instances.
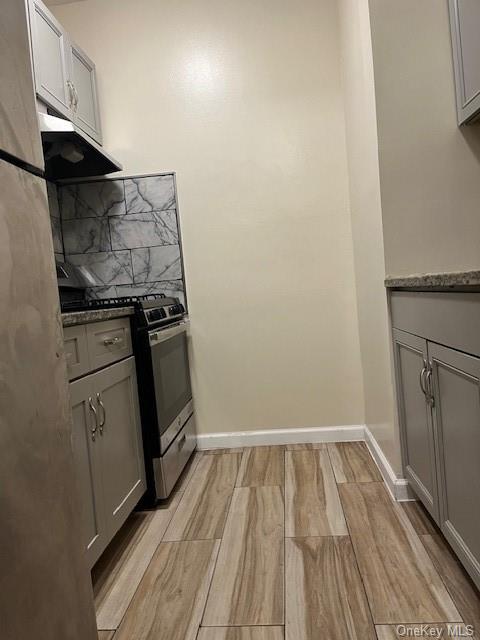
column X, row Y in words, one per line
column 19, row 131
column 44, row 582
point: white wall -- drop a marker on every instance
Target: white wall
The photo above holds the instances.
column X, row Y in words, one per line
column 243, row 100
column 429, row 168
column 366, row 215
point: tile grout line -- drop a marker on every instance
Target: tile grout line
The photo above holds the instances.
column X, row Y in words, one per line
column 220, row 540
column 454, row 600
column 394, row 502
column 212, row 573
column 219, row 548
column 240, row 466
column 153, row 554
column 353, row 548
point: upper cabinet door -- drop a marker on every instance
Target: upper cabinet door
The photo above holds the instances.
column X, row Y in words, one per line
column 19, row 132
column 85, row 102
column 418, row 443
column 50, row 59
column 465, row 27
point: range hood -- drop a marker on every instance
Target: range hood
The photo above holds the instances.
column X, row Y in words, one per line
column 70, row 153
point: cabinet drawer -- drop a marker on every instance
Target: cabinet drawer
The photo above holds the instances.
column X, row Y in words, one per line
column 447, row 318
column 108, row 341
column 175, row 459
column 76, row 351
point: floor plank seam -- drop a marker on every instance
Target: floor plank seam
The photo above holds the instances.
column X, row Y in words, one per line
column 449, row 591
column 220, row 541
column 147, row 566
column 355, row 555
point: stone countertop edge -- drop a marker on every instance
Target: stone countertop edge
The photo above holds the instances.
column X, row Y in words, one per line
column 434, row 280
column 94, row 315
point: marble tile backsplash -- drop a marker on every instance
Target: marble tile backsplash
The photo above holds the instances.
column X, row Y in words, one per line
column 126, row 232
column 93, row 199
column 55, row 221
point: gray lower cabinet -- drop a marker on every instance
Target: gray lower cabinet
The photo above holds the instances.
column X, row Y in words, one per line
column 418, row 442
column 108, row 451
column 437, row 369
column 88, row 468
column 123, row 471
column 456, row 413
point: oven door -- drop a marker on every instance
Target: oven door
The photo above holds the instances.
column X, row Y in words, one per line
column 171, row 376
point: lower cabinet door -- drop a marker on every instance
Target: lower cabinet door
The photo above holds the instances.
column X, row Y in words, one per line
column 416, row 424
column 457, row 416
column 123, row 469
column 88, row 468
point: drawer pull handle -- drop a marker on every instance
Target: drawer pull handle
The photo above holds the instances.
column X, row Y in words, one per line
column 112, row 341
column 181, row 442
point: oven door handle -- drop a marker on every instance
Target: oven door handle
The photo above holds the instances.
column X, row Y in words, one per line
column 161, row 335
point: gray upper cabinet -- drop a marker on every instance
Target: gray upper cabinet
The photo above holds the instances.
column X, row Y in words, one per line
column 465, row 28
column 457, row 417
column 65, row 77
column 19, row 132
column 84, row 87
column 50, row 58
column 418, row 445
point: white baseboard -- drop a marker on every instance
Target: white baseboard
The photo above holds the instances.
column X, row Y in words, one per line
column 398, row 487
column 347, row 433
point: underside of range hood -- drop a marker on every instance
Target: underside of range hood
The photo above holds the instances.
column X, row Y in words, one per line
column 69, row 153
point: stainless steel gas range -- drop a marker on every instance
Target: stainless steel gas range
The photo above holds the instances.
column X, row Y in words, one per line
column 166, row 404
column 160, row 341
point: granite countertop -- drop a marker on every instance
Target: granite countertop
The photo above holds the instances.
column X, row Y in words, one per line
column 448, row 280
column 94, row 315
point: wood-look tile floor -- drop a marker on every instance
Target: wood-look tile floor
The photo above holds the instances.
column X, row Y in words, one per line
column 301, row 542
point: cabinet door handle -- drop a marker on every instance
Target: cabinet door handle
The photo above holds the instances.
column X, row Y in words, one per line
column 181, row 442
column 431, row 397
column 93, row 428
column 422, row 378
column 75, row 92
column 71, row 102
column 104, row 413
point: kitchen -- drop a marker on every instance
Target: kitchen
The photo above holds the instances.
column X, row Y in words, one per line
column 300, row 181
